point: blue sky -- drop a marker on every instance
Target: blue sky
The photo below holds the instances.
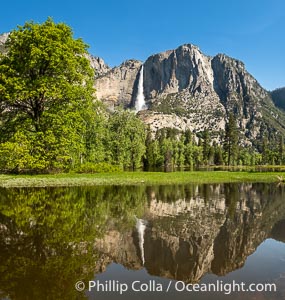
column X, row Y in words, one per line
column 252, row 30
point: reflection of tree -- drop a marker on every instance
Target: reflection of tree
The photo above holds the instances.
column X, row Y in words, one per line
column 232, row 194
column 47, row 236
column 171, row 193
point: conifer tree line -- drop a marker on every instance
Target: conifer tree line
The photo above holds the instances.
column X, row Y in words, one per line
column 171, row 148
column 50, row 120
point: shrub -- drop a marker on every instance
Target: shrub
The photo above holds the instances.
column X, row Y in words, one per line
column 97, row 168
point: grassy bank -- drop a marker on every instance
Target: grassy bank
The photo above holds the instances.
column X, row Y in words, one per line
column 136, row 178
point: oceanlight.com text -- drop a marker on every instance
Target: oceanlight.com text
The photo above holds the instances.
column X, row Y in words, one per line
column 225, row 287
column 179, row 286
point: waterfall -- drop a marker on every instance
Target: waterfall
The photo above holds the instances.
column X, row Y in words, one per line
column 140, row 102
column 141, row 226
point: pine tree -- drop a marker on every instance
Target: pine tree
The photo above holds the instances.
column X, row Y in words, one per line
column 188, row 137
column 265, row 150
column 188, row 149
column 231, row 140
column 218, row 157
column 281, row 150
column 206, row 146
column 148, row 154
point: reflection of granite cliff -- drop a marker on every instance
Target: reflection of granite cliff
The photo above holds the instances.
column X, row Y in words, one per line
column 278, row 231
column 241, row 234
column 189, row 237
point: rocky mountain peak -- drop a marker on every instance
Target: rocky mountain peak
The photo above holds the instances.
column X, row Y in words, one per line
column 98, row 65
column 184, row 68
column 229, row 63
column 131, row 63
column 186, row 89
column 119, row 85
column 189, row 46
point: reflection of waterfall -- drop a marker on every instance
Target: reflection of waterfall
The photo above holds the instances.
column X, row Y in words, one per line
column 141, row 226
column 140, row 102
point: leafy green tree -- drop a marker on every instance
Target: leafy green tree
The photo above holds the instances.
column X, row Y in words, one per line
column 148, row 141
column 44, row 70
column 175, row 151
column 153, row 154
column 46, row 96
column 15, row 154
column 256, row 159
column 96, row 134
column 181, row 151
column 188, row 152
column 167, row 153
column 127, row 139
column 197, row 155
column 245, row 157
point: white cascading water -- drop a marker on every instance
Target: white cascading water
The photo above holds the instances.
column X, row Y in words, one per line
column 141, row 226
column 140, row 102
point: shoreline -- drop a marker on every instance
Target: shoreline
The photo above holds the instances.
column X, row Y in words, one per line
column 139, row 178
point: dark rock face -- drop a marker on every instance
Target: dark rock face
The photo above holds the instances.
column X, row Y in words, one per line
column 278, row 97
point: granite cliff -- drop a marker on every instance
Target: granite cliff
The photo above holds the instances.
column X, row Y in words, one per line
column 98, row 65
column 118, row 86
column 185, row 88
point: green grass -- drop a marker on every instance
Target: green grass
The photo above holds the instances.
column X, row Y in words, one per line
column 136, row 178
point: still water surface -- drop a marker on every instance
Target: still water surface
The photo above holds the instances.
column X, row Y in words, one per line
column 50, row 238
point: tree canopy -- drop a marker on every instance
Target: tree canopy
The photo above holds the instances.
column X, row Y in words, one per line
column 45, row 69
column 46, row 98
